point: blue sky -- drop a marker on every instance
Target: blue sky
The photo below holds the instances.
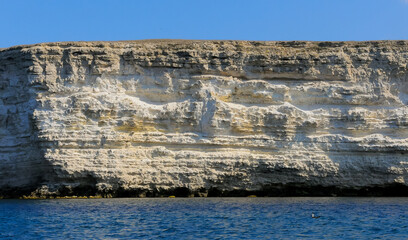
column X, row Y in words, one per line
column 27, row 21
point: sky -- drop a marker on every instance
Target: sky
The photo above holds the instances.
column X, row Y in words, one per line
column 28, row 22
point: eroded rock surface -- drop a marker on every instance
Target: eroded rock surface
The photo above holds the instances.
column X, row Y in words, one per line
column 204, row 117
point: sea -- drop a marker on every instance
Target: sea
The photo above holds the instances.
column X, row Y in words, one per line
column 205, row 218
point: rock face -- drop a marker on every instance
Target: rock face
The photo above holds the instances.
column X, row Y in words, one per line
column 222, row 118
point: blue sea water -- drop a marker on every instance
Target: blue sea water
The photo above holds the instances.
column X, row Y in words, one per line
column 205, row 218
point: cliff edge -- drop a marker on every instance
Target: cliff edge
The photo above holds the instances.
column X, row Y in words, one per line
column 204, row 118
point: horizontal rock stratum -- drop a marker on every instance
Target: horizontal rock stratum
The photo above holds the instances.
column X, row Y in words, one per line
column 204, row 118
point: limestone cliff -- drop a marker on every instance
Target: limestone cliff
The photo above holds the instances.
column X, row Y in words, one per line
column 222, row 118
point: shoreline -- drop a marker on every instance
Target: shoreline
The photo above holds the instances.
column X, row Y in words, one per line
column 391, row 190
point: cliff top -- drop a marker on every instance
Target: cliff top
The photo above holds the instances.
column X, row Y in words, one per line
column 259, row 59
column 295, row 44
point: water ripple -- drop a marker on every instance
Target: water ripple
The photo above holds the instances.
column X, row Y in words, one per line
column 205, row 218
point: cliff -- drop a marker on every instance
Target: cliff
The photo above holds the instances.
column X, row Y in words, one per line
column 216, row 118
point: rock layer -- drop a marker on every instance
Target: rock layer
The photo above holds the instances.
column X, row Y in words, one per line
column 204, row 117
